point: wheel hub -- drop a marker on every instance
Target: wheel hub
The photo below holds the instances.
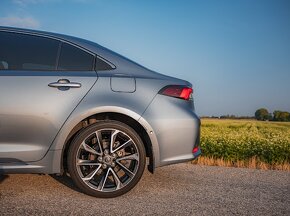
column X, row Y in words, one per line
column 108, row 160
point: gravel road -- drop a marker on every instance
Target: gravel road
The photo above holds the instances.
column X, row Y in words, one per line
column 182, row 189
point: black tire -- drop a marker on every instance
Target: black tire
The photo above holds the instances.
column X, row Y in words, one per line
column 105, row 178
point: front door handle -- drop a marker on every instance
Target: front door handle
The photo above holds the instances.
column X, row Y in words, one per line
column 64, row 83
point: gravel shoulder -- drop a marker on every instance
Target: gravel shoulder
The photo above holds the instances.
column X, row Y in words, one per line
column 182, row 189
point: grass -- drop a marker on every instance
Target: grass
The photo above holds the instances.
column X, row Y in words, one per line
column 245, row 143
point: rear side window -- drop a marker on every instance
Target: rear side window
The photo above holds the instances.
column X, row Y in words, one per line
column 75, row 59
column 102, row 65
column 27, row 52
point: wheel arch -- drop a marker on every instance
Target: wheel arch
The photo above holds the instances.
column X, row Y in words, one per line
column 130, row 118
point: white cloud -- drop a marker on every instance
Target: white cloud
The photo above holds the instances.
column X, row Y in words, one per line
column 26, row 2
column 22, row 22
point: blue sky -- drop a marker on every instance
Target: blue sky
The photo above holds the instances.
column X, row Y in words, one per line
column 235, row 52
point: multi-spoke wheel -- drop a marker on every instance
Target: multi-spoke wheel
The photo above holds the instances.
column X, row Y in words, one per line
column 106, row 159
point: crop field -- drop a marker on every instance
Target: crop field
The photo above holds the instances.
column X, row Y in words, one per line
column 245, row 143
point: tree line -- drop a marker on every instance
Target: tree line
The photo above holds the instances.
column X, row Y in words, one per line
column 263, row 114
column 229, row 117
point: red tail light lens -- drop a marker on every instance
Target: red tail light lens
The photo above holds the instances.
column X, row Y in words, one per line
column 182, row 92
column 195, row 149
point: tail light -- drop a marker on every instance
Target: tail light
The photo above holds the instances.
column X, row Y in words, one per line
column 195, row 149
column 182, row 92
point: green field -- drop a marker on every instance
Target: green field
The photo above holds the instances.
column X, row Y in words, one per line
column 236, row 141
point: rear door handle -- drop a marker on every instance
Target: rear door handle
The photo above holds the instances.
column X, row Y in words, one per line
column 64, row 83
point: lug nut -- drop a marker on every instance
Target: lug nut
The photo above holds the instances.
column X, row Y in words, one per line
column 104, row 166
column 106, row 152
column 114, row 155
column 100, row 159
column 113, row 164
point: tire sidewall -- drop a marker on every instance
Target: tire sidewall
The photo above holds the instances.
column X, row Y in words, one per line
column 75, row 144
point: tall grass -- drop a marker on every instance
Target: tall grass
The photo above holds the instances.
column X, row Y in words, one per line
column 244, row 143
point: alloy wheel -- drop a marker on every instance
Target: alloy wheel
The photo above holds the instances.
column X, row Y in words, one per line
column 107, row 160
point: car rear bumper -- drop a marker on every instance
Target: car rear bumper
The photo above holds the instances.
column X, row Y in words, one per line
column 177, row 130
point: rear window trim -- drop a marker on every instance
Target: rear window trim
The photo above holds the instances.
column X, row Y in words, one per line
column 113, row 66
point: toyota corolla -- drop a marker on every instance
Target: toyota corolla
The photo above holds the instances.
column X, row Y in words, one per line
column 71, row 106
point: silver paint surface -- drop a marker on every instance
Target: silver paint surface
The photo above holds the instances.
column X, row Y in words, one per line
column 35, row 119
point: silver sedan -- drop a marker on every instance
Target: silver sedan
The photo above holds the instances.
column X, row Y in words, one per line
column 71, row 106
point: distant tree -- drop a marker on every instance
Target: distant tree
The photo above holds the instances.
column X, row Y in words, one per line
column 262, row 114
column 270, row 117
column 285, row 116
column 281, row 116
column 225, row 116
column 215, row 117
column 276, row 115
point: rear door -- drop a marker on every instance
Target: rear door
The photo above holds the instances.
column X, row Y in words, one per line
column 42, row 80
